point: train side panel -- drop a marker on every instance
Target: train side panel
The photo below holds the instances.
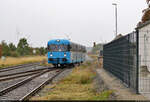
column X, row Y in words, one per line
column 77, row 57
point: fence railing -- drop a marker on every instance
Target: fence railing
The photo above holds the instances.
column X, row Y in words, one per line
column 120, row 58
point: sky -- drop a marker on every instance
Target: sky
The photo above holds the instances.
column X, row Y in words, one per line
column 82, row 21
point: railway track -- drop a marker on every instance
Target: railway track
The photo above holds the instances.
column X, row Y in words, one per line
column 24, row 89
column 30, row 94
column 18, row 66
column 11, row 74
column 22, row 70
column 20, row 74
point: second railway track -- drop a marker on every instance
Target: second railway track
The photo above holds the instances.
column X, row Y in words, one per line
column 20, row 74
column 25, row 88
column 18, row 66
column 21, row 70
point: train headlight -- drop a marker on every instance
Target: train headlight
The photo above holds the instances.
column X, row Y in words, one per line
column 51, row 55
column 65, row 55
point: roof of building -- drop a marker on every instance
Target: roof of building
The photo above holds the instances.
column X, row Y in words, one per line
column 143, row 24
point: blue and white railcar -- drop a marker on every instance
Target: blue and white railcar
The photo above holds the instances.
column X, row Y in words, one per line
column 64, row 52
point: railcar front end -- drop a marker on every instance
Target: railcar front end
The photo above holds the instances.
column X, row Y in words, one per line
column 58, row 53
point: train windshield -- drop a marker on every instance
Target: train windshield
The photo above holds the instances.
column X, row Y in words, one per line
column 59, row 48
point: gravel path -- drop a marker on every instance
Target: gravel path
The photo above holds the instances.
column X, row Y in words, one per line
column 26, row 88
column 120, row 91
column 100, row 86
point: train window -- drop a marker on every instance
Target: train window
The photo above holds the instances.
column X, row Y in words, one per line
column 72, row 47
column 69, row 48
column 63, row 47
column 76, row 48
column 55, row 48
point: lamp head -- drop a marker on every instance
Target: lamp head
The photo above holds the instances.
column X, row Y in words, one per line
column 114, row 4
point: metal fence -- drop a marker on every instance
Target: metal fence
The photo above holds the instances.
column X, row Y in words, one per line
column 121, row 59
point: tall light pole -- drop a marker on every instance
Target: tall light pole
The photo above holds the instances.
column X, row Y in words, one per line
column 116, row 17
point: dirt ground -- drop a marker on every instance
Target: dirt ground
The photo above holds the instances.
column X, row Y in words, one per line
column 121, row 92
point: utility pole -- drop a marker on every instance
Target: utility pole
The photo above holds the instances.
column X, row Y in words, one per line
column 116, row 18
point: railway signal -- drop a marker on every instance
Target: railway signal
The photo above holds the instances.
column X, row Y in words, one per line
column 94, row 44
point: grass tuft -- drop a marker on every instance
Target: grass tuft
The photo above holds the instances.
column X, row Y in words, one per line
column 103, row 95
column 80, row 76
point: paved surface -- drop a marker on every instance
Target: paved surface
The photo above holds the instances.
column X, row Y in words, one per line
column 144, row 86
column 144, row 82
column 120, row 90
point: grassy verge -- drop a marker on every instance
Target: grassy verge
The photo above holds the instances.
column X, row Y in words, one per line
column 11, row 61
column 77, row 86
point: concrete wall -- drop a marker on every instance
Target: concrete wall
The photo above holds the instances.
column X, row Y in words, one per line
column 144, row 46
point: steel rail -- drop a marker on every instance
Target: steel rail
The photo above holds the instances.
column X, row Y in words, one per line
column 19, row 66
column 3, row 68
column 18, row 76
column 6, row 75
column 12, row 87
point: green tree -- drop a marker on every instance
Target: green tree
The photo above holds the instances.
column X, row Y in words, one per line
column 23, row 47
column 12, row 47
column 42, row 51
column 5, row 49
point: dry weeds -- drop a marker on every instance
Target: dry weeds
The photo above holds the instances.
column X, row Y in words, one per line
column 10, row 61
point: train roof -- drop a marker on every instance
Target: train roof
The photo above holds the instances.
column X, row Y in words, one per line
column 62, row 41
column 59, row 41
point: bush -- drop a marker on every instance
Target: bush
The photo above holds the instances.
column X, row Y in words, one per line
column 85, row 79
column 14, row 54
